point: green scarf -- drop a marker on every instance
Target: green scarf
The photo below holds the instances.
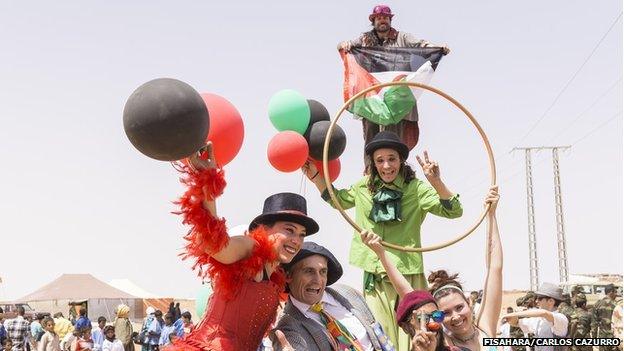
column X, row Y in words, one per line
column 386, row 205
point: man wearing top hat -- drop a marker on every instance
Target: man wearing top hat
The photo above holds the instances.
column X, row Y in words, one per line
column 319, row 317
column 543, row 321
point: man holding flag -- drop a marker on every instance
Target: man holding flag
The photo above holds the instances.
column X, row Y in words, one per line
column 398, row 114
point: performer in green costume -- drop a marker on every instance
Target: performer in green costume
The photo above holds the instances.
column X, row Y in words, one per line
column 391, row 202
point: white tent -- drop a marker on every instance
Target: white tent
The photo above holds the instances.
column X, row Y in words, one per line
column 128, row 286
column 149, row 299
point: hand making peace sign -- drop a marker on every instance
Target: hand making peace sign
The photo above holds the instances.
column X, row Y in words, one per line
column 430, row 168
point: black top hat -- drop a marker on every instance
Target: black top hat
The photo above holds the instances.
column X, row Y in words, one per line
column 287, row 207
column 309, row 248
column 389, row 140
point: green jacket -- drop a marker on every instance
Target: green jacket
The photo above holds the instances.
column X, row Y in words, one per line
column 516, row 332
column 419, row 198
column 580, row 323
column 601, row 318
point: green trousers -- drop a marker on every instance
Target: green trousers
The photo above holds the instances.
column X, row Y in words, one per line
column 382, row 299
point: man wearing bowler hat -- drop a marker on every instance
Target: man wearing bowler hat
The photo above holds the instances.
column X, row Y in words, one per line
column 318, row 317
column 543, row 321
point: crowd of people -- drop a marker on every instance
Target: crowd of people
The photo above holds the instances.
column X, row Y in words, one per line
column 46, row 333
column 548, row 312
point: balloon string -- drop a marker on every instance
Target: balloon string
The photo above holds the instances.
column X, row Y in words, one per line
column 302, row 186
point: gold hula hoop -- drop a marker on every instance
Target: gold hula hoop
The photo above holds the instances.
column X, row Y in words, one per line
column 486, row 143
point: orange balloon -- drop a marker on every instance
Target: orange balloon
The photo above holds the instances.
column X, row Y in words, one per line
column 226, row 128
column 287, row 151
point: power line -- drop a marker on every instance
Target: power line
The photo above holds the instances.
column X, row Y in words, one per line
column 597, row 128
column 472, row 191
column 580, row 115
column 565, row 87
column 497, row 157
column 603, row 124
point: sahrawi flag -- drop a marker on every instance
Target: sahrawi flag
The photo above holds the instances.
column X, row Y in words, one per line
column 365, row 67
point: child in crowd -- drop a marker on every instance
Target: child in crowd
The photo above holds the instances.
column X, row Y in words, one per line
column 110, row 342
column 50, row 340
column 7, row 345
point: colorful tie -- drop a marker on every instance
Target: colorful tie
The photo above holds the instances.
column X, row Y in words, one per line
column 345, row 340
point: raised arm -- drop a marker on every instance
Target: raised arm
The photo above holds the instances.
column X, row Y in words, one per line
column 436, row 198
column 373, row 241
column 493, row 290
column 411, row 41
column 313, row 174
column 208, row 234
column 346, row 197
column 348, row 44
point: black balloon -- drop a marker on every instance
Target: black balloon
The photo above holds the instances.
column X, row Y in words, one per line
column 166, row 119
column 316, row 141
column 318, row 112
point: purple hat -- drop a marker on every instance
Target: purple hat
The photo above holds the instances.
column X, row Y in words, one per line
column 380, row 10
column 412, row 301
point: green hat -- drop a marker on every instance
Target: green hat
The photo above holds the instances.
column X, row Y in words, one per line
column 520, row 301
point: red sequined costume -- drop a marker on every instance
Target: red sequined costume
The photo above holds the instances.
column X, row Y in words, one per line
column 241, row 310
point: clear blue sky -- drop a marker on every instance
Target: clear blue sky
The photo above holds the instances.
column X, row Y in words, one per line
column 76, row 197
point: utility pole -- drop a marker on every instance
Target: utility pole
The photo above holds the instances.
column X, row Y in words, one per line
column 561, row 243
column 533, row 266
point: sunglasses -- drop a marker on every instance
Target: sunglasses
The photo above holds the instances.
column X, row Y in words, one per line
column 436, row 316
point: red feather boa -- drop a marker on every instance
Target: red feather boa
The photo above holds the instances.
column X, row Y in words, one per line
column 208, row 235
column 228, row 278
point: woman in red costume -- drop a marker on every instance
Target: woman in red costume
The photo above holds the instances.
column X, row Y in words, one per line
column 244, row 270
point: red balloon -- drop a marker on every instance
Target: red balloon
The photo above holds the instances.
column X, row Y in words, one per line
column 334, row 168
column 287, row 151
column 226, row 128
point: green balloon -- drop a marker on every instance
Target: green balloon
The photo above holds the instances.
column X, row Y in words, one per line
column 289, row 110
column 202, row 299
